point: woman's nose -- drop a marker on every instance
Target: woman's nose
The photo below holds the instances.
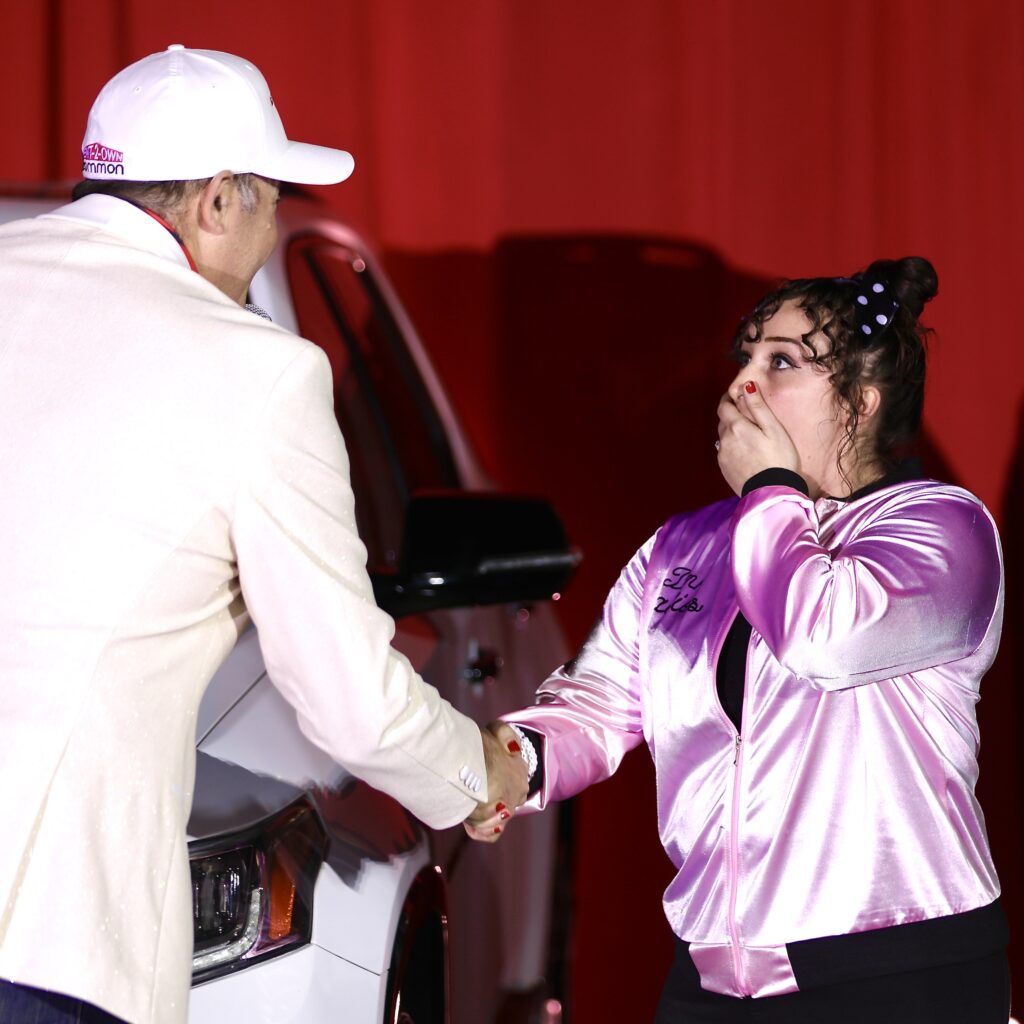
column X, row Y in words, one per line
column 744, row 374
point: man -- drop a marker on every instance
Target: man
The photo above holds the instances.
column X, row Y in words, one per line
column 170, row 466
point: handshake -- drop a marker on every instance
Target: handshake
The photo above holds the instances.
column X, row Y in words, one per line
column 507, row 783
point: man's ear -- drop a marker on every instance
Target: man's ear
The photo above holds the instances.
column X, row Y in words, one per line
column 214, row 202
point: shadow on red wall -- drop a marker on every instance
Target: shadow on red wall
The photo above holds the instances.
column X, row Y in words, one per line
column 588, row 369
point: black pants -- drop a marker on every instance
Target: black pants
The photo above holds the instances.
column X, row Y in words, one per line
column 977, row 992
column 20, row 1004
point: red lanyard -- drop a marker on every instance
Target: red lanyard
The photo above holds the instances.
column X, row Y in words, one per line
column 174, row 235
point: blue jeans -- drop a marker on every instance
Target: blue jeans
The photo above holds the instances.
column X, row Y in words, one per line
column 20, row 1004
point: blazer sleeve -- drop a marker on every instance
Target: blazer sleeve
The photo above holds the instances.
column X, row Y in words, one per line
column 589, row 712
column 918, row 586
column 326, row 645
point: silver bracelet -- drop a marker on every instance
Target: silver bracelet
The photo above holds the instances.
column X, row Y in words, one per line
column 526, row 750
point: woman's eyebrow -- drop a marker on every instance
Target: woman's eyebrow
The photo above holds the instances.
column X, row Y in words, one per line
column 784, row 340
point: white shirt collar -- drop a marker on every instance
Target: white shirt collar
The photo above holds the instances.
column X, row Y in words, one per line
column 126, row 221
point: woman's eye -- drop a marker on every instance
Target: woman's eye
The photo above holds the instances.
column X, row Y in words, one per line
column 781, row 362
column 742, row 358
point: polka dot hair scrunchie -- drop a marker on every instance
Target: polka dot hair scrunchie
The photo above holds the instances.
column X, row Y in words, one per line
column 874, row 307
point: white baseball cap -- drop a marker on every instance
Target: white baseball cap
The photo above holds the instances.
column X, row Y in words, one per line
column 186, row 114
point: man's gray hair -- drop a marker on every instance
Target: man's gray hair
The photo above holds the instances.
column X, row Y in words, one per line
column 165, row 197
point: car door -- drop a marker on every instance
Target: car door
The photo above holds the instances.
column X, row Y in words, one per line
column 484, row 660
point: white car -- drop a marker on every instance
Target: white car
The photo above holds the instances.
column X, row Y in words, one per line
column 315, row 897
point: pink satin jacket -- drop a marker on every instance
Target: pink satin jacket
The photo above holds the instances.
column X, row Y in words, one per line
column 846, row 801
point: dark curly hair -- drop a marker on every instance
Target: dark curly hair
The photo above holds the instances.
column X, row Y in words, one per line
column 891, row 360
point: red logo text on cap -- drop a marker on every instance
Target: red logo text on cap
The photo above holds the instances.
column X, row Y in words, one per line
column 100, row 159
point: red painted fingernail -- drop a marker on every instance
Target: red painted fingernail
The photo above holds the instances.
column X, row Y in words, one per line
column 513, row 747
column 497, row 831
column 750, row 387
column 499, row 807
column 505, row 815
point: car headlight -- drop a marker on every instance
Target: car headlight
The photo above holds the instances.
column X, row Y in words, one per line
column 252, row 891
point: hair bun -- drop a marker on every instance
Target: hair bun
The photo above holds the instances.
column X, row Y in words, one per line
column 912, row 278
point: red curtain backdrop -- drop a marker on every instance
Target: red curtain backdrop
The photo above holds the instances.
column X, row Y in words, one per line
column 578, row 198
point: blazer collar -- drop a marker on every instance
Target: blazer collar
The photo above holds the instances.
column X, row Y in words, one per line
column 125, row 220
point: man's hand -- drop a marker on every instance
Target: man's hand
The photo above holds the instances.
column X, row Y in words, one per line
column 507, row 783
column 750, row 438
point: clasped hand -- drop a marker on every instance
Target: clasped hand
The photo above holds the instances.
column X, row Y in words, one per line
column 507, row 784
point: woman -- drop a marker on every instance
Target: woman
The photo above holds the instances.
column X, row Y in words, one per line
column 803, row 662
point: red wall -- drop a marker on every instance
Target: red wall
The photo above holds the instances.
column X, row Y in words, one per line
column 514, row 161
column 794, row 137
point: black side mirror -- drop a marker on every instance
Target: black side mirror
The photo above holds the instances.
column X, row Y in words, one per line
column 465, row 548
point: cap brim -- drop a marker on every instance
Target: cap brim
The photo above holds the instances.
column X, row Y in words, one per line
column 305, row 164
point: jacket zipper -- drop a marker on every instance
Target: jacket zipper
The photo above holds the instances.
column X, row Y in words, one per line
column 734, row 867
column 732, row 858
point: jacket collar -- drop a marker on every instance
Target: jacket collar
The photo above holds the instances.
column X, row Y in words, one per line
column 907, row 469
column 125, row 220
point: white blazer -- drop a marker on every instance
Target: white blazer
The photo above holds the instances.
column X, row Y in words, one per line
column 167, row 462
